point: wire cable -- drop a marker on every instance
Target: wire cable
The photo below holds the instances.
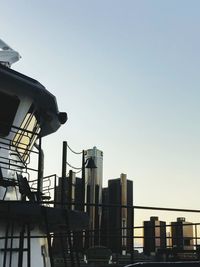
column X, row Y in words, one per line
column 77, row 153
column 73, row 167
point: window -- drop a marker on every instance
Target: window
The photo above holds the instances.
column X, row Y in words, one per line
column 26, row 135
column 8, row 108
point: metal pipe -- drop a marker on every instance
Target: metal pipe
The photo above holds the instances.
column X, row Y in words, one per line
column 40, row 169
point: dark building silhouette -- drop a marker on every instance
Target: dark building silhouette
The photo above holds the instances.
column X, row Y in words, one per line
column 117, row 218
column 105, row 218
column 78, row 194
column 182, row 234
column 71, row 188
column 154, row 235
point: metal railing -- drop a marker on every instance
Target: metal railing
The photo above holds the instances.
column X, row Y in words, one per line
column 128, row 232
column 144, row 238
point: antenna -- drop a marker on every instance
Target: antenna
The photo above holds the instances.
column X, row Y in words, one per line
column 8, row 56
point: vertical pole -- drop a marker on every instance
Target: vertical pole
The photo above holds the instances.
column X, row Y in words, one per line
column 64, row 171
column 82, row 204
column 28, row 245
column 119, row 240
column 40, row 170
column 48, row 236
column 132, row 235
column 69, row 191
column 55, row 191
column 21, row 246
column 196, row 242
column 83, row 181
column 6, row 244
column 11, row 243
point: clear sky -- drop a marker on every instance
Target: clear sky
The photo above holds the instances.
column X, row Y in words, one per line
column 127, row 74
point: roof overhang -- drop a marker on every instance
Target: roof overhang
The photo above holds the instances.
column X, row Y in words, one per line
column 15, row 83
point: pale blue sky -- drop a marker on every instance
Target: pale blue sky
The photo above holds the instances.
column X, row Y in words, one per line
column 127, row 74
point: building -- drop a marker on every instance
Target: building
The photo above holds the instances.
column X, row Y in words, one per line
column 117, row 222
column 182, row 234
column 154, row 235
column 93, row 180
column 69, row 193
column 71, row 188
column 105, row 218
